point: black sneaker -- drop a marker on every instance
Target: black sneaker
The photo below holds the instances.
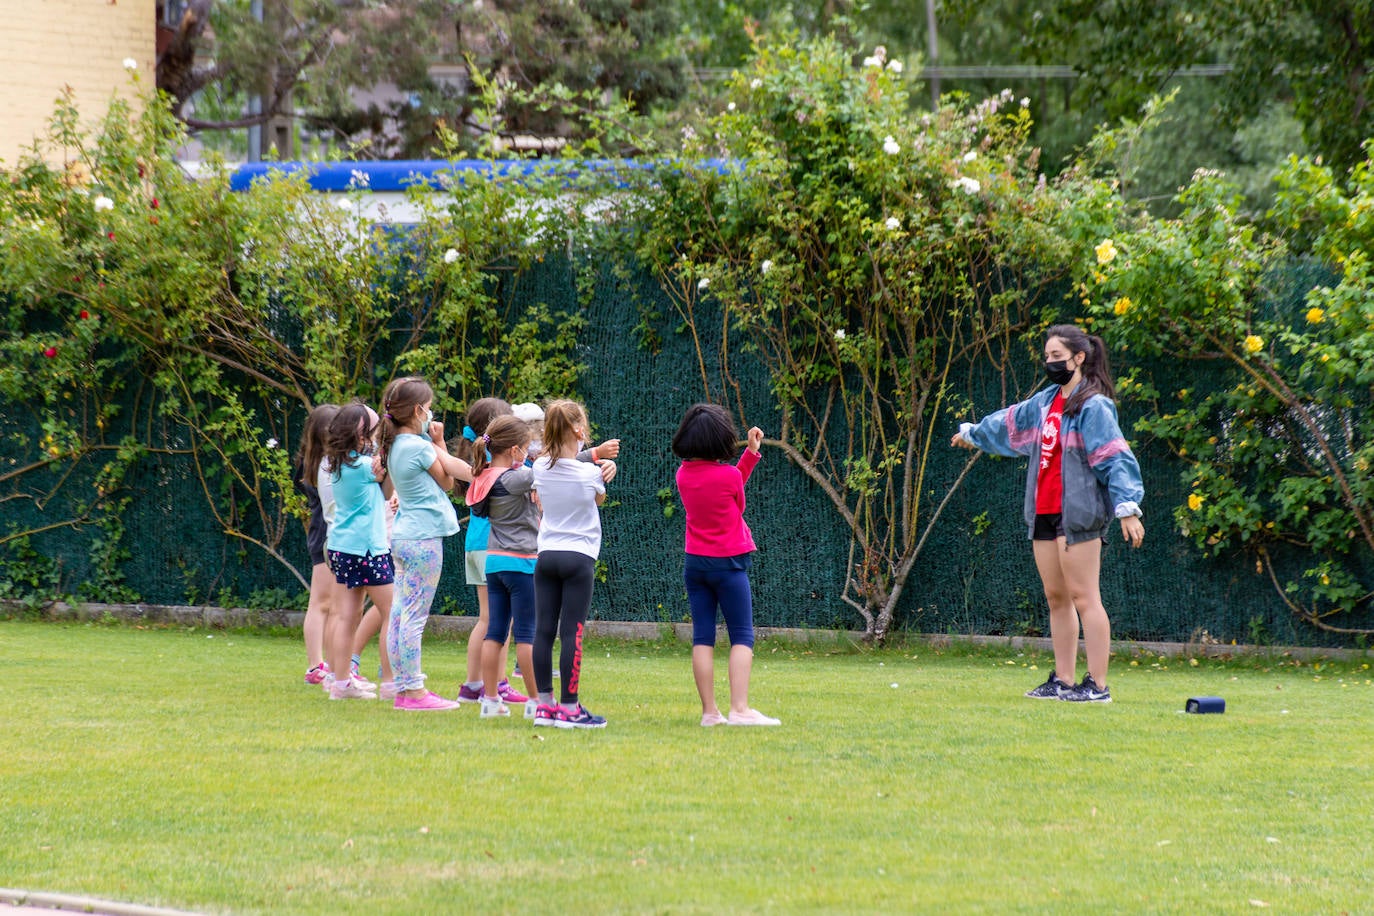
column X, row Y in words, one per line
column 583, row 718
column 1089, row 692
column 1052, row 689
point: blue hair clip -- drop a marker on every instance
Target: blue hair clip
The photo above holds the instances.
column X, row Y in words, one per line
column 469, row 434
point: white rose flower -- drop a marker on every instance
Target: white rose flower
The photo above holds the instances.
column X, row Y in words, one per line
column 450, row 256
column 271, row 443
column 765, row 267
column 103, row 203
column 703, row 282
column 967, row 185
column 839, row 333
column 895, row 66
column 730, row 107
column 1025, row 102
column 755, row 83
column 890, row 146
column 872, row 62
column 130, row 64
column 893, row 223
column 970, row 156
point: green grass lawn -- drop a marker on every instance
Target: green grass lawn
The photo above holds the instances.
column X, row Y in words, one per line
column 193, row 769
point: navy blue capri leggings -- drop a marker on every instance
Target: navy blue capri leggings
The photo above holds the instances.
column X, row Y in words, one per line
column 510, row 603
column 720, row 583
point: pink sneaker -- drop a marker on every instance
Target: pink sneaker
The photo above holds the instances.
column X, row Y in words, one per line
column 751, row 717
column 428, row 702
column 712, row 718
column 509, row 694
column 316, row 674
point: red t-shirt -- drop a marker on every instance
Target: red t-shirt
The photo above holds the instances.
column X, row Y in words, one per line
column 1049, row 486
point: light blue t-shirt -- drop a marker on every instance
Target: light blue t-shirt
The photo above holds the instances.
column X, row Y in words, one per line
column 359, row 511
column 426, row 511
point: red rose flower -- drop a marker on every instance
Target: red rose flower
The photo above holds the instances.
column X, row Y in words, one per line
column 50, row 352
column 85, row 314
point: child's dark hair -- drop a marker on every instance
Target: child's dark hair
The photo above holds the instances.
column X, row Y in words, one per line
column 346, row 431
column 707, row 432
column 313, row 441
column 479, row 416
column 1096, row 370
column 502, row 433
column 399, row 402
column 561, row 419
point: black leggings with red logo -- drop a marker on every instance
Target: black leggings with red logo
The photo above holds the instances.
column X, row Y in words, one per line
column 563, row 582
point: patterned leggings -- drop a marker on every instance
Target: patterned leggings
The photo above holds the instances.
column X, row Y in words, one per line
column 418, row 565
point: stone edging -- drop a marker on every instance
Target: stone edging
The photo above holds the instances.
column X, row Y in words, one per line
column 243, row 618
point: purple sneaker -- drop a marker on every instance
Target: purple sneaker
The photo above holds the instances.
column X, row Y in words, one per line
column 468, row 694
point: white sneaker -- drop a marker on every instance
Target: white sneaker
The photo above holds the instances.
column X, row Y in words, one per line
column 709, row 719
column 351, row 690
column 751, row 717
column 493, row 708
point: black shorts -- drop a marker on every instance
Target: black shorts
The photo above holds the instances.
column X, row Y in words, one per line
column 353, row 571
column 1048, row 527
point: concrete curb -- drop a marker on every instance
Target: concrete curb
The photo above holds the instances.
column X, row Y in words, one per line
column 17, row 900
column 244, row 618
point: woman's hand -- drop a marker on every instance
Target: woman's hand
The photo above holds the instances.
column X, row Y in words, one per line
column 1133, row 530
column 755, row 439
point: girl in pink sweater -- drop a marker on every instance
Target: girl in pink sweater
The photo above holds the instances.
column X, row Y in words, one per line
column 719, row 543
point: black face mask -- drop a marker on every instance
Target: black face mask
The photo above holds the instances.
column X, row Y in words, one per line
column 1058, row 371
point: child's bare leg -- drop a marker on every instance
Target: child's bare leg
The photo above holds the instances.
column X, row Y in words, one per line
column 704, row 673
column 317, row 613
column 741, row 664
column 478, row 637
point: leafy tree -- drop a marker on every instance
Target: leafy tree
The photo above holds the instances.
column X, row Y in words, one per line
column 866, row 257
column 305, row 55
column 1316, row 54
column 1279, row 438
column 151, row 317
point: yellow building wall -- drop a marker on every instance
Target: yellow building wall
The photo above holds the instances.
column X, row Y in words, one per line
column 49, row 44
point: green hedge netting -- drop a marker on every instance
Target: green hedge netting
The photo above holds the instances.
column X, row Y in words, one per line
column 967, row 581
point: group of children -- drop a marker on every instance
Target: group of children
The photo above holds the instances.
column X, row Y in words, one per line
column 381, row 491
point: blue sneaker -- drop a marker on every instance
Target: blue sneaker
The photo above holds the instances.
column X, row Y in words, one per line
column 1052, row 689
column 583, row 718
column 1088, row 692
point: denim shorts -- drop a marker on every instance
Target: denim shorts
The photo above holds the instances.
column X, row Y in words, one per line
column 353, row 571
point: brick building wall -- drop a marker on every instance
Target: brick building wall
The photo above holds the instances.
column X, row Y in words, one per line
column 48, row 44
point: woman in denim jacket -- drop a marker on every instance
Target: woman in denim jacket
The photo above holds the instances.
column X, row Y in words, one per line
column 1082, row 474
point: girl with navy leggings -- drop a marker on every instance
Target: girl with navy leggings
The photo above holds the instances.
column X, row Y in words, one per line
column 719, row 544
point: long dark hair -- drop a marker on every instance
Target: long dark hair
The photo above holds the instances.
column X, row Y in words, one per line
column 479, row 415
column 347, row 431
column 1096, row 369
column 313, row 441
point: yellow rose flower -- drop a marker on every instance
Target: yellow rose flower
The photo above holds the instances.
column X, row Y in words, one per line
column 1195, row 501
column 1122, row 305
column 1106, row 250
column 1315, row 316
column 1254, row 344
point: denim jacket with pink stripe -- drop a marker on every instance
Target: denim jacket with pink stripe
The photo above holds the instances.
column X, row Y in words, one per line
column 1101, row 474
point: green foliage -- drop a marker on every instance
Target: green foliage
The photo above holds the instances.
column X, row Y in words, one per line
column 861, row 254
column 146, row 314
column 1278, row 435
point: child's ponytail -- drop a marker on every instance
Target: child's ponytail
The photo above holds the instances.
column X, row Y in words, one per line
column 502, row 433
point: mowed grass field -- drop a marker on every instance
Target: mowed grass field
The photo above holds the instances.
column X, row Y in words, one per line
column 193, row 769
